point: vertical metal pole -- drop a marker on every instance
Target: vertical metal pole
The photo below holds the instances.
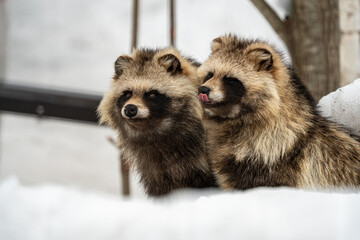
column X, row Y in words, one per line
column 124, row 167
column 125, row 176
column 134, row 24
column 172, row 23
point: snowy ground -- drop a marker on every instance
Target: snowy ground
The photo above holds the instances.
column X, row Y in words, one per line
column 343, row 106
column 53, row 212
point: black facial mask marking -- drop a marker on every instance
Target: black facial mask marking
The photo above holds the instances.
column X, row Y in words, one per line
column 234, row 89
column 208, row 76
column 157, row 103
column 123, row 99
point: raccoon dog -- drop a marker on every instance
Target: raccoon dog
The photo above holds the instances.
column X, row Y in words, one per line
column 262, row 126
column 153, row 105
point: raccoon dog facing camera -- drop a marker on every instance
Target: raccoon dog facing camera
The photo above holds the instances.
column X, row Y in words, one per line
column 262, row 125
column 153, row 105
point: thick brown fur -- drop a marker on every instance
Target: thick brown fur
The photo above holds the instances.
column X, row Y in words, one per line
column 164, row 140
column 262, row 125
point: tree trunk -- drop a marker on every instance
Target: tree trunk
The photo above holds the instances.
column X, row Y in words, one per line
column 311, row 34
column 313, row 31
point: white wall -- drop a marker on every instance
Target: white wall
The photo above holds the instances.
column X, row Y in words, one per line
column 349, row 40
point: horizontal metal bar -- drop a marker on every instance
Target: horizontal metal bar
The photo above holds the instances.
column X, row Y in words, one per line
column 49, row 102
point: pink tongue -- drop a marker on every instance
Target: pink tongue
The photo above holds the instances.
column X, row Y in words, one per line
column 203, row 97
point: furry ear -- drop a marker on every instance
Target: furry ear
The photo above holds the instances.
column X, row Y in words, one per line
column 120, row 63
column 216, row 44
column 221, row 41
column 170, row 63
column 262, row 59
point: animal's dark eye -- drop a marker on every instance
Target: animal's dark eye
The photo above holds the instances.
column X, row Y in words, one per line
column 123, row 98
column 127, row 94
column 152, row 94
column 209, row 76
column 230, row 79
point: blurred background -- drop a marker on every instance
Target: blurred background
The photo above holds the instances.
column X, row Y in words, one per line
column 67, row 48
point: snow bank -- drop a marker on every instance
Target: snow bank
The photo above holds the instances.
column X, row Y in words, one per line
column 343, row 106
column 53, row 212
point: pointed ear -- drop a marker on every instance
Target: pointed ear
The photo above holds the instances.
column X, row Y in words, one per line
column 221, row 41
column 216, row 44
column 261, row 58
column 170, row 63
column 120, row 63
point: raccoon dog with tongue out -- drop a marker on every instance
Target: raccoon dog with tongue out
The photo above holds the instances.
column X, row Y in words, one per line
column 153, row 105
column 262, row 126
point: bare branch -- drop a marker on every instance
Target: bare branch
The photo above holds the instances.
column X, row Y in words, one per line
column 272, row 18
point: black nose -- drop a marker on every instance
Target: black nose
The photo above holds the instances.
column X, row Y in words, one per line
column 130, row 110
column 204, row 90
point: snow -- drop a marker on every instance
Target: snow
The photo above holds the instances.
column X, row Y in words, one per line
column 54, row 212
column 343, row 106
